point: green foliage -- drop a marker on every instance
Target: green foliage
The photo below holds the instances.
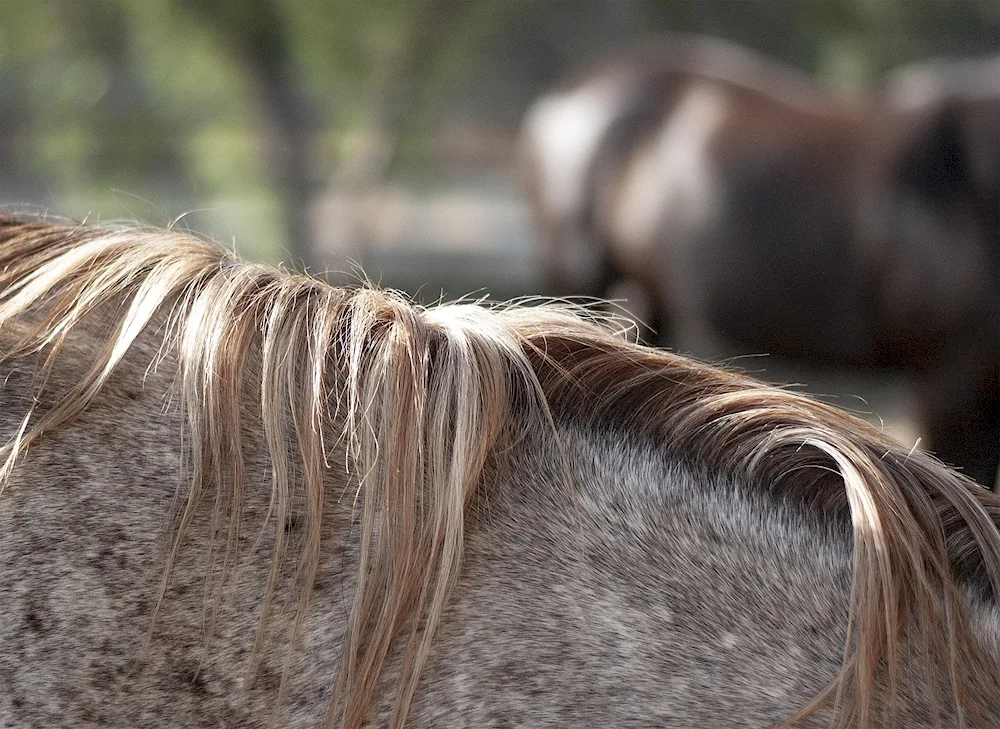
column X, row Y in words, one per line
column 197, row 103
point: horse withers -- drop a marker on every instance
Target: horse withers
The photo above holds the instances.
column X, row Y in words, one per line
column 748, row 211
column 233, row 496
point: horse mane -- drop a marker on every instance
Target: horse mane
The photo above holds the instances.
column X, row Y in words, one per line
column 424, row 397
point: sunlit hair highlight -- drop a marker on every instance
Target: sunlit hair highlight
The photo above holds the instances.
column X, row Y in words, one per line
column 420, row 399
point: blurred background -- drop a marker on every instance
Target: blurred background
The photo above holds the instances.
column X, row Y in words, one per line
column 381, row 135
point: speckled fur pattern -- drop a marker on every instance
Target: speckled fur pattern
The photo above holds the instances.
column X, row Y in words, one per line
column 637, row 598
column 610, row 535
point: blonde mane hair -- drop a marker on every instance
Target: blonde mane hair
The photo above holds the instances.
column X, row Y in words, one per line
column 424, row 396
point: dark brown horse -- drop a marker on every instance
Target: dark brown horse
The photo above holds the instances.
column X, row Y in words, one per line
column 754, row 212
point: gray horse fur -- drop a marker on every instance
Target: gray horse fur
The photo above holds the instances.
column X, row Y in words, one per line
column 642, row 594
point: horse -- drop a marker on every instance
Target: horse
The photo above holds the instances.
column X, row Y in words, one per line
column 237, row 496
column 740, row 208
column 969, row 91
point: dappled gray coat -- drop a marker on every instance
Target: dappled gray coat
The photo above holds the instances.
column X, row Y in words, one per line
column 236, row 497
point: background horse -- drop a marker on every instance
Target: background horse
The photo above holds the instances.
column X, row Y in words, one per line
column 750, row 211
column 233, row 496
